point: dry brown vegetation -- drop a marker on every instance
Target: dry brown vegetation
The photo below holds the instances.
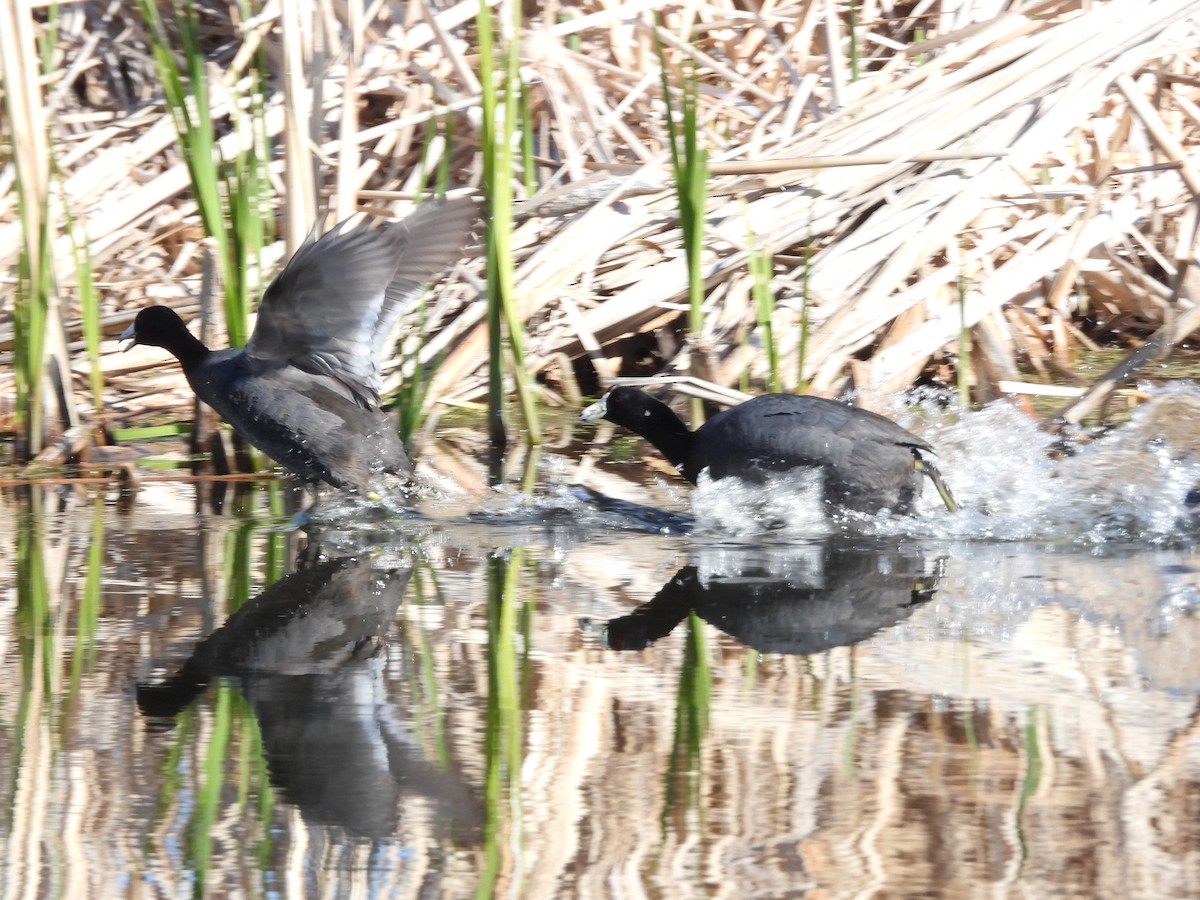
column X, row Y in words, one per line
column 1025, row 170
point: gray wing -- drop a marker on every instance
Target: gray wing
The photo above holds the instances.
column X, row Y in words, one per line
column 330, row 310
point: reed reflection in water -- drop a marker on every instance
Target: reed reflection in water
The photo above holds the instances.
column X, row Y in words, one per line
column 195, row 706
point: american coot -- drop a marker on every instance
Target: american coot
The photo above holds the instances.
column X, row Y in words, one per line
column 305, row 388
column 869, row 462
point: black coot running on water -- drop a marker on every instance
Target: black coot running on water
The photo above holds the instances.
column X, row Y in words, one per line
column 869, row 462
column 305, row 388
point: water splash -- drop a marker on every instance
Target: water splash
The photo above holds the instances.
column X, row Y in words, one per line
column 1130, row 484
column 1014, row 480
column 791, row 503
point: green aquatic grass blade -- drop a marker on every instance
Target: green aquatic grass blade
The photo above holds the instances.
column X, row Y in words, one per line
column 693, row 704
column 48, row 39
column 88, row 617
column 239, row 570
column 498, row 174
column 761, row 268
column 696, row 191
column 247, row 189
column 265, row 850
column 503, row 739
column 23, row 58
column 193, row 120
column 804, row 324
column 208, row 796
column 232, row 197
column 149, row 432
column 487, row 66
column 443, row 175
column 168, row 465
column 963, row 373
column 33, row 596
column 528, row 167
column 409, row 399
column 171, row 775
column 852, row 30
column 276, row 553
column 689, row 167
column 89, row 304
column 431, row 131
column 429, row 717
column 30, row 312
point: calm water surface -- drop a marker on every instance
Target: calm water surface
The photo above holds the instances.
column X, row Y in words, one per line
column 519, row 694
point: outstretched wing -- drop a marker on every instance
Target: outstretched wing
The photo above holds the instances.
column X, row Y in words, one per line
column 330, row 310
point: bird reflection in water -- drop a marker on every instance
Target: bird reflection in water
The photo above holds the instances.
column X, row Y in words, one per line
column 833, row 595
column 309, row 653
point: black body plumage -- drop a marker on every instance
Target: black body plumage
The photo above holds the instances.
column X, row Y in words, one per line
column 306, row 387
column 867, row 461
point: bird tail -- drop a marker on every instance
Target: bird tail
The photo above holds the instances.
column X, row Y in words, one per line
column 924, row 465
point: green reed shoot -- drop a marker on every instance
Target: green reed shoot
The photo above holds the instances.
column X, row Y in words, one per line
column 193, row 121
column 503, row 739
column 500, row 116
column 29, row 319
column 48, row 39
column 84, row 652
column 431, row 129
column 246, row 239
column 528, row 167
column 852, row 30
column 574, row 41
column 692, row 709
column 805, row 325
column 919, row 38
column 35, row 285
column 429, row 707
column 89, row 304
column 761, row 266
column 33, row 595
column 34, row 640
column 443, row 175
column 963, row 373
column 232, row 217
column 208, row 796
column 265, row 848
column 276, row 553
column 1031, row 778
column 689, row 169
column 410, row 398
column 239, row 564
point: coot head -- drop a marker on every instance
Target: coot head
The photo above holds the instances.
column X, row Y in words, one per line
column 648, row 417
column 625, row 406
column 156, row 326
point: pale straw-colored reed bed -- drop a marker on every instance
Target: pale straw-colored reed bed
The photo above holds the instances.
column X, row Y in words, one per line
column 945, row 187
